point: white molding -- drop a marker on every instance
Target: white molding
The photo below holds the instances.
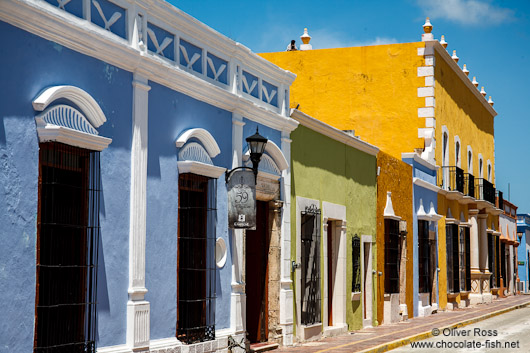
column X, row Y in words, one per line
column 51, row 23
column 465, row 79
column 333, row 133
column 275, row 153
column 388, row 213
column 421, row 214
column 202, row 135
column 199, row 168
column 469, row 161
column 425, row 184
column 458, row 156
column 419, row 160
column 50, row 132
column 220, row 257
column 480, row 166
column 76, row 95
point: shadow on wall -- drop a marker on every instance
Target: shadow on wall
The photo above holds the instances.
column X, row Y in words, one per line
column 2, row 132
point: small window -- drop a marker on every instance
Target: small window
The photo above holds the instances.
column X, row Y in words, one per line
column 465, row 269
column 457, row 154
column 356, row 260
column 445, row 156
column 392, row 256
column 424, row 257
column 196, row 258
column 311, row 298
column 67, row 248
column 452, row 252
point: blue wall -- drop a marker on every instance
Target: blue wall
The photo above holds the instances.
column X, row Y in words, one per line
column 170, row 114
column 34, row 65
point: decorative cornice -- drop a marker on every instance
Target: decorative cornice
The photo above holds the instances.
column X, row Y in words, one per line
column 331, row 132
column 202, row 135
column 76, row 95
column 51, row 23
column 199, row 168
column 51, row 132
column 453, row 65
column 426, row 185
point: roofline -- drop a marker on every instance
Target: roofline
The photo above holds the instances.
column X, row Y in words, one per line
column 465, row 79
column 334, row 133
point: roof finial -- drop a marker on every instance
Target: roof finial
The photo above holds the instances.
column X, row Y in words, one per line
column 427, row 28
column 454, row 57
column 466, row 71
column 482, row 91
column 443, row 42
column 490, row 101
column 305, row 39
column 475, row 82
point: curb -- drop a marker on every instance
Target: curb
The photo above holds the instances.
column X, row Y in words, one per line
column 424, row 335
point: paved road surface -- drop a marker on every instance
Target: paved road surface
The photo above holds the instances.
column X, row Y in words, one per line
column 509, row 332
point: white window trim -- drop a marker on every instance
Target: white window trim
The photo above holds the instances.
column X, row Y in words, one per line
column 445, row 149
column 202, row 135
column 489, row 171
column 458, row 153
column 66, row 124
column 469, row 160
column 208, row 145
column 480, row 166
column 275, row 153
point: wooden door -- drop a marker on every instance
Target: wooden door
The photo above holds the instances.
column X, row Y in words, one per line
column 330, row 273
column 256, row 274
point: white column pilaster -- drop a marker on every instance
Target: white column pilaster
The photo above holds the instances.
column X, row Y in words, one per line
column 138, row 315
column 286, row 291
column 238, row 296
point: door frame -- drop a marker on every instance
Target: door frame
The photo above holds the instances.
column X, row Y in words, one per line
column 367, row 281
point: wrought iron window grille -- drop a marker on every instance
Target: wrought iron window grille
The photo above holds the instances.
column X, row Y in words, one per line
column 356, row 261
column 424, row 257
column 196, row 269
column 452, row 255
column 392, row 256
column 311, row 291
column 68, row 233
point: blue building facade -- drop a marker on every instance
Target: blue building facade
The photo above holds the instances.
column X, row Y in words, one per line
column 523, row 250
column 145, row 103
column 425, row 234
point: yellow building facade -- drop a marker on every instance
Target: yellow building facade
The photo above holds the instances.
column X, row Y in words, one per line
column 415, row 98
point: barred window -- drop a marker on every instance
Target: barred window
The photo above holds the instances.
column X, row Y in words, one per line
column 392, row 256
column 491, row 259
column 465, row 269
column 452, row 252
column 311, row 298
column 424, row 257
column 497, row 261
column 356, row 261
column 196, row 258
column 67, row 249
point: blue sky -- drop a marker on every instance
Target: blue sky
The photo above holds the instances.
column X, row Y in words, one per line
column 491, row 37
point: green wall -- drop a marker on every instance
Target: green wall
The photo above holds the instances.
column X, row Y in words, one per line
column 327, row 170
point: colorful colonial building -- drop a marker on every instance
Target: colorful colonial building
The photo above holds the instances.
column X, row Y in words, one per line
column 333, row 230
column 414, row 98
column 118, row 121
column 523, row 251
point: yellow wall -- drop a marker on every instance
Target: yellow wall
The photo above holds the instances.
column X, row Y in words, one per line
column 464, row 115
column 372, row 90
column 395, row 176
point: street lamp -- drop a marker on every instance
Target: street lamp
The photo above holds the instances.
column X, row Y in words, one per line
column 256, row 145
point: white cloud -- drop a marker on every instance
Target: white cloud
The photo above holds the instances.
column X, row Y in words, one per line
column 470, row 12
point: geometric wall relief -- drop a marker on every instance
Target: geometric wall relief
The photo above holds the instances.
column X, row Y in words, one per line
column 192, row 151
column 266, row 165
column 190, row 55
column 108, row 16
column 67, row 116
column 75, row 7
column 269, row 93
column 216, row 68
column 250, row 84
column 160, row 41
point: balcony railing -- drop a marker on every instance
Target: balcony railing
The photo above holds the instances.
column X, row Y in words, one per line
column 452, row 178
column 484, row 190
column 469, row 185
column 500, row 200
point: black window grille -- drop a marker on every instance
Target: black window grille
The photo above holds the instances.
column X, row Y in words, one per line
column 497, row 261
column 491, row 259
column 467, row 241
column 356, row 261
column 311, row 297
column 424, row 257
column 392, row 256
column 452, row 252
column 196, row 258
column 502, row 258
column 67, row 249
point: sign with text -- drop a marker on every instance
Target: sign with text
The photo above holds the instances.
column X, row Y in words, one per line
column 242, row 200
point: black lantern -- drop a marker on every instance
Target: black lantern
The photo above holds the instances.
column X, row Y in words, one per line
column 256, row 145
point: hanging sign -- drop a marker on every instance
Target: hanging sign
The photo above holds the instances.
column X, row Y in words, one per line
column 242, row 200
column 521, row 263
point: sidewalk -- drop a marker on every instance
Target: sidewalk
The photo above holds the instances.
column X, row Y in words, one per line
column 387, row 337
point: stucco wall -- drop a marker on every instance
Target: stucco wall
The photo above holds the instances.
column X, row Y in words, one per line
column 326, row 170
column 34, row 65
column 465, row 116
column 372, row 90
column 395, row 176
